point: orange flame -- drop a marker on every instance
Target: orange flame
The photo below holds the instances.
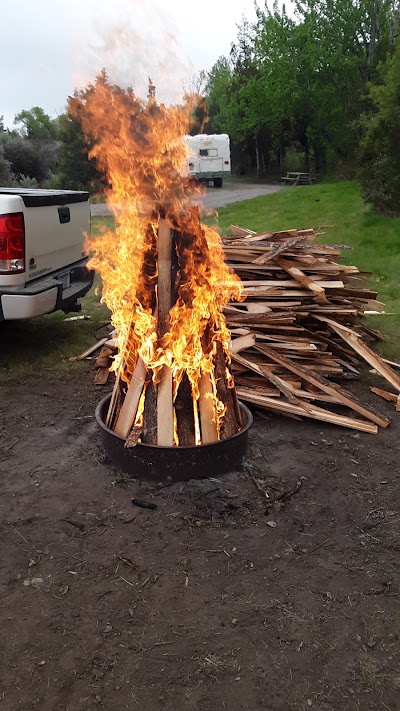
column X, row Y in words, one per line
column 139, row 146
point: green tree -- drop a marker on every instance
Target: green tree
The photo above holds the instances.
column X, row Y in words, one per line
column 33, row 147
column 233, row 101
column 35, row 160
column 21, row 154
column 36, row 125
column 195, row 102
column 76, row 170
column 380, row 146
column 300, row 81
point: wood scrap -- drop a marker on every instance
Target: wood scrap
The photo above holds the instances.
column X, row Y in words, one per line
column 103, row 364
column 354, row 340
column 315, row 413
column 392, row 363
column 391, row 397
column 242, row 342
column 89, row 351
column 101, row 376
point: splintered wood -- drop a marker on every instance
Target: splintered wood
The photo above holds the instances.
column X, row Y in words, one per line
column 299, row 328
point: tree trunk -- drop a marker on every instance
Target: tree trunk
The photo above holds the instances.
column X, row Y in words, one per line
column 374, row 34
column 257, row 157
column 394, row 24
column 307, row 155
column 281, row 155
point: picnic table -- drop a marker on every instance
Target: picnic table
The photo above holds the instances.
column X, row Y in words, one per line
column 297, row 178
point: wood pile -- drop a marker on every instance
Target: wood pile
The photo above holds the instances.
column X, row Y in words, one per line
column 299, row 328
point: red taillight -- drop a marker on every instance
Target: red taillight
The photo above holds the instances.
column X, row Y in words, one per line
column 226, row 162
column 12, row 243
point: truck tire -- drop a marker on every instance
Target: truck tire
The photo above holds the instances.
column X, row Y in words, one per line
column 218, row 182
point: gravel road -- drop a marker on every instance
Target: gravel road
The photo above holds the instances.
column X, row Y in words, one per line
column 216, row 197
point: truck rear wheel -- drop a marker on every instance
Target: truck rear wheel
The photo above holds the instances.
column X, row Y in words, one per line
column 218, row 182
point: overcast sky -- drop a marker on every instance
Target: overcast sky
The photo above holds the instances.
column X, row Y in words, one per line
column 50, row 47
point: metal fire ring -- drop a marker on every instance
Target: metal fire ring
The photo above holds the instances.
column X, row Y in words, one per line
column 148, row 461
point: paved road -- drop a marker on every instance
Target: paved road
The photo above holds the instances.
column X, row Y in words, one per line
column 216, row 197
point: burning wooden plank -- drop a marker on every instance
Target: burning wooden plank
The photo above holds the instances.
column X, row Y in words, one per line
column 165, row 412
column 129, row 408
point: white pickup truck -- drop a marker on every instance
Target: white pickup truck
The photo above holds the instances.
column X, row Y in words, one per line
column 43, row 263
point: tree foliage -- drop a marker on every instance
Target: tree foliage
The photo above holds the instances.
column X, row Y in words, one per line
column 21, row 154
column 6, row 177
column 34, row 159
column 76, row 170
column 298, row 82
column 380, row 146
column 36, row 125
column 31, row 149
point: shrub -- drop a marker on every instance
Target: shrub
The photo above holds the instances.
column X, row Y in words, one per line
column 6, row 176
column 26, row 182
column 380, row 147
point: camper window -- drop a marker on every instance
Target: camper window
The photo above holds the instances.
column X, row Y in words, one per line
column 210, row 152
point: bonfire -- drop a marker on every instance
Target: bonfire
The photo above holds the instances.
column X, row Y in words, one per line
column 164, row 277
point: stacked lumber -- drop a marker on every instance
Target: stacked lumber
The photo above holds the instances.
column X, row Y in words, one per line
column 299, row 328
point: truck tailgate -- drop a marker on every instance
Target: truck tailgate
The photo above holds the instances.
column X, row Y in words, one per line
column 54, row 225
column 55, row 221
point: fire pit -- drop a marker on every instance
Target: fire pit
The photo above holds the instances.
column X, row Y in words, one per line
column 151, row 462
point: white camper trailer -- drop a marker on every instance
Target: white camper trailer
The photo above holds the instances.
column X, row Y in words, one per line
column 209, row 157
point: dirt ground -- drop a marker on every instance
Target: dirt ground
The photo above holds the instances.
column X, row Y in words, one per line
column 204, row 603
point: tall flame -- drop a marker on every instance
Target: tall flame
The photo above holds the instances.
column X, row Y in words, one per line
column 140, row 148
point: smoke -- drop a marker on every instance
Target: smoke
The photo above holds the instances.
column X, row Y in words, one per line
column 134, row 41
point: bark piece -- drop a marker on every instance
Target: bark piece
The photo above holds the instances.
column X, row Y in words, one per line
column 185, row 414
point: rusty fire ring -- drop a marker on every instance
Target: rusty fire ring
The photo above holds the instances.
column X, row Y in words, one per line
column 152, row 462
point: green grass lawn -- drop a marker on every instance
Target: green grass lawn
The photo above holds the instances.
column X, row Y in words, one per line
column 45, row 344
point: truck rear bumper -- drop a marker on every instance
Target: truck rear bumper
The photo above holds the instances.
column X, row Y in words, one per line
column 210, row 175
column 46, row 294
